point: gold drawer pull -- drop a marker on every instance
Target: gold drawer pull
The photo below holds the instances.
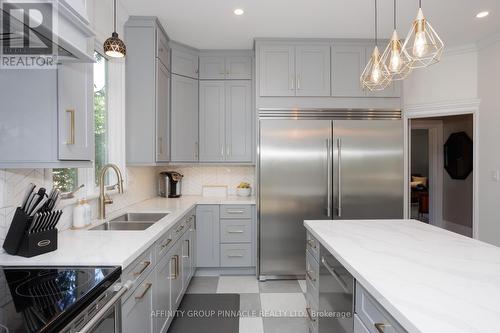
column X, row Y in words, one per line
column 311, row 243
column 176, row 267
column 235, row 256
column 308, row 274
column 145, row 265
column 164, row 245
column 381, row 327
column 309, row 315
column 232, row 211
column 179, row 229
column 71, row 134
column 146, row 288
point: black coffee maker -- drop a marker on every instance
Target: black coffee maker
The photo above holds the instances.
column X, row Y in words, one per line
column 170, row 184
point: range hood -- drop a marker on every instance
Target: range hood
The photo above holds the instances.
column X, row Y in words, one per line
column 69, row 35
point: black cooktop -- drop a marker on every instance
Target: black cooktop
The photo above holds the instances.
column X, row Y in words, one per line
column 45, row 299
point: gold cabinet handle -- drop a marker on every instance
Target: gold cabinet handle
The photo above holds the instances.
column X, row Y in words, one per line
column 71, row 134
column 179, row 229
column 381, row 327
column 311, row 243
column 232, row 211
column 176, row 267
column 235, row 231
column 145, row 265
column 164, row 245
column 144, row 292
column 188, row 250
column 160, row 139
column 235, row 256
column 309, row 315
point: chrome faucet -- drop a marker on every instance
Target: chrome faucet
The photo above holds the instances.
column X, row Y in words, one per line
column 104, row 199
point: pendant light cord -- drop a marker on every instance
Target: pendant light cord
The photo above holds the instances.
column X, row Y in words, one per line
column 376, row 25
column 419, row 3
column 114, row 16
column 394, row 14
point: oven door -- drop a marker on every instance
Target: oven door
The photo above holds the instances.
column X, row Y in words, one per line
column 336, row 292
column 110, row 322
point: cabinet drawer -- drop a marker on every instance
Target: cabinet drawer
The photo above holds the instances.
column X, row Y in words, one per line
column 235, row 211
column 373, row 315
column 312, row 277
column 138, row 270
column 179, row 229
column 236, row 255
column 359, row 327
column 162, row 49
column 235, row 231
column 163, row 245
column 312, row 246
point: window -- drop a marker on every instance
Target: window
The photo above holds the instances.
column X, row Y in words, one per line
column 67, row 179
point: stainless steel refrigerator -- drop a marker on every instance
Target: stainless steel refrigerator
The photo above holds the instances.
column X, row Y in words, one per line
column 321, row 165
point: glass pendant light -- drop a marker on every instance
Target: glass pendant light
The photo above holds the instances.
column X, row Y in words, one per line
column 397, row 60
column 114, row 46
column 423, row 43
column 376, row 75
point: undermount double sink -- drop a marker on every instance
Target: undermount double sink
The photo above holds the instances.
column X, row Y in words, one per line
column 131, row 221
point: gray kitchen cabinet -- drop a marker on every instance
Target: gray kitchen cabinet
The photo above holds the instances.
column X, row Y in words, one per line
column 312, row 63
column 207, row 236
column 137, row 308
column 212, row 117
column 226, row 121
column 348, row 63
column 147, row 91
column 277, row 70
column 176, row 280
column 295, row 70
column 220, row 67
column 239, row 121
column 212, row 68
column 162, row 295
column 184, row 119
column 75, row 112
column 186, row 259
column 47, row 117
column 184, row 62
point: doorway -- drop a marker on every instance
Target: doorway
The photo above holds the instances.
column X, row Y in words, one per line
column 440, row 170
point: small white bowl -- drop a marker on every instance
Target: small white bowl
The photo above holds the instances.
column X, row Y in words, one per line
column 243, row 192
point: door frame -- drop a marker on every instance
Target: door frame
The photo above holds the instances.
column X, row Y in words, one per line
column 453, row 108
column 435, row 135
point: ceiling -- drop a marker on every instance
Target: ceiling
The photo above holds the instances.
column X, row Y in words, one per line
column 211, row 24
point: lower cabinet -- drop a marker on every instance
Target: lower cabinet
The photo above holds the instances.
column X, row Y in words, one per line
column 136, row 310
column 163, row 295
column 207, row 240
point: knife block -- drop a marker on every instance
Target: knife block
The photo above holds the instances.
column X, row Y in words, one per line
column 19, row 242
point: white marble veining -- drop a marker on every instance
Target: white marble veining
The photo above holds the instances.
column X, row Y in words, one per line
column 429, row 279
column 99, row 247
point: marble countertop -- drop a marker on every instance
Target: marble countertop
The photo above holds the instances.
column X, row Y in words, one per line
column 429, row 279
column 118, row 248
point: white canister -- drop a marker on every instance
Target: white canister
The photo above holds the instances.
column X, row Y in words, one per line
column 79, row 214
column 87, row 215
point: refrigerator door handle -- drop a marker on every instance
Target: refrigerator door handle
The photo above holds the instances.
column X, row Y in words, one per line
column 329, row 178
column 339, row 175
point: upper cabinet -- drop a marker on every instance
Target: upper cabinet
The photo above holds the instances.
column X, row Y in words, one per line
column 184, row 61
column 219, row 67
column 184, row 116
column 147, row 92
column 226, row 121
column 294, row 70
column 348, row 63
column 46, row 118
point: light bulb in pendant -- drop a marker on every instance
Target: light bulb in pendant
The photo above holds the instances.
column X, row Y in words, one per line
column 376, row 73
column 395, row 63
column 420, row 45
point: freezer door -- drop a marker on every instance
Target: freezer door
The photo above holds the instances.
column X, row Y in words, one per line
column 368, row 169
column 293, row 175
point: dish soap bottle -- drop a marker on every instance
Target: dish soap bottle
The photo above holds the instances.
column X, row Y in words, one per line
column 79, row 214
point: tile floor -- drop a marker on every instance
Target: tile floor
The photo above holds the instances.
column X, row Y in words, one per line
column 266, row 307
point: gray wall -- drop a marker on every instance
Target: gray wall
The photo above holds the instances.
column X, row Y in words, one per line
column 457, row 194
column 420, row 152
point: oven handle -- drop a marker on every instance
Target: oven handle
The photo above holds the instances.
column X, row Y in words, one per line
column 100, row 315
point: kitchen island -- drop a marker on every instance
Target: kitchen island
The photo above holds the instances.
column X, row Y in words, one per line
column 428, row 279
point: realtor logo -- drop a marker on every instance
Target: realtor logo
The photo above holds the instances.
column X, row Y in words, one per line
column 27, row 38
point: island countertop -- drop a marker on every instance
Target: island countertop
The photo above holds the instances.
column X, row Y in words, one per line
column 427, row 278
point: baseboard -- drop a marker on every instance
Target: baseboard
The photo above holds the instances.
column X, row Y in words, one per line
column 219, row 271
column 457, row 228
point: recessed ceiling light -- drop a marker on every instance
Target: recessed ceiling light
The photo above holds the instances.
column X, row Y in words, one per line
column 238, row 11
column 482, row 14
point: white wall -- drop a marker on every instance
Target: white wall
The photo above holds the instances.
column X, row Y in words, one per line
column 454, row 78
column 489, row 139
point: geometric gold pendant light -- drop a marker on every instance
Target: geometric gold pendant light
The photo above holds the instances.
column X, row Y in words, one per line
column 113, row 46
column 423, row 44
column 376, row 75
column 397, row 60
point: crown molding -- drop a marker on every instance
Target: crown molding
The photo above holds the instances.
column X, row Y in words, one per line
column 462, row 49
column 443, row 108
column 488, row 41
